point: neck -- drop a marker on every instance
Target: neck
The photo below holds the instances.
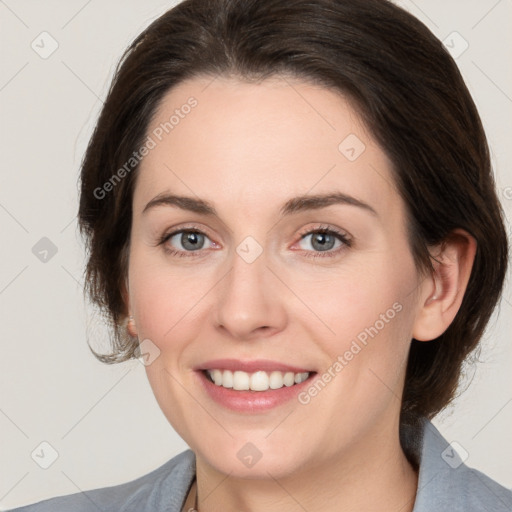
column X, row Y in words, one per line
column 375, row 475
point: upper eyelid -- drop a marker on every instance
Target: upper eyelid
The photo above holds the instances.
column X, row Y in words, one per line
column 174, row 231
column 339, row 233
column 304, row 232
column 328, row 229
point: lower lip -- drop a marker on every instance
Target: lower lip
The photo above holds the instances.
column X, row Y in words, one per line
column 252, row 401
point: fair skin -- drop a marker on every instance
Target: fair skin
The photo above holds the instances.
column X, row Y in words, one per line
column 247, row 149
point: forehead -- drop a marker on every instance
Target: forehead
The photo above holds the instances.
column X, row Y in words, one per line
column 226, row 139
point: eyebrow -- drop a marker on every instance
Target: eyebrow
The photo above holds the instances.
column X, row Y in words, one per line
column 293, row 205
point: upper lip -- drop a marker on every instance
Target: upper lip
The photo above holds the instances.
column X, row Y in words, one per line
column 250, row 366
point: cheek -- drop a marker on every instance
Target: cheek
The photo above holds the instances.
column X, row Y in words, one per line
column 363, row 314
column 165, row 299
column 171, row 393
column 366, row 352
column 351, row 300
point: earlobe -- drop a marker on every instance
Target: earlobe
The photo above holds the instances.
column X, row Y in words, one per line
column 130, row 327
column 130, row 323
column 443, row 292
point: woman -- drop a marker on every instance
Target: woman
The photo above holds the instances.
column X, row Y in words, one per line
column 292, row 219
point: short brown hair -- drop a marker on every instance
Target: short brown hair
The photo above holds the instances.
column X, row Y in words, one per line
column 406, row 88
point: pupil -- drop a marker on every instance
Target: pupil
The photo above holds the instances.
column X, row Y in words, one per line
column 192, row 239
column 322, row 239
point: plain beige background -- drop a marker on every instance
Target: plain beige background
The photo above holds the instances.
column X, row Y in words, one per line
column 102, row 421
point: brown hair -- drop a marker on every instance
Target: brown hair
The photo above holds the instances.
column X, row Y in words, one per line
column 408, row 91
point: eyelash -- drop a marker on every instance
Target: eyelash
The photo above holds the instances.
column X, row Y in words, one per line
column 326, row 230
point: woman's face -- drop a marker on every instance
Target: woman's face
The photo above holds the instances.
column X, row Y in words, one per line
column 252, row 279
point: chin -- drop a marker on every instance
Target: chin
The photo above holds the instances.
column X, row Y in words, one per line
column 252, row 460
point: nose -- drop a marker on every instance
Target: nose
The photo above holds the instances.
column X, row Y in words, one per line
column 249, row 301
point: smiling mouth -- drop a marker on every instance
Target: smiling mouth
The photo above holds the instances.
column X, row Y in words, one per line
column 256, row 381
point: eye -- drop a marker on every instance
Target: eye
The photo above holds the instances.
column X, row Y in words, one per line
column 323, row 240
column 189, row 242
column 184, row 242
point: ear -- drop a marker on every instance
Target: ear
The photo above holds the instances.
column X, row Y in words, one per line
column 443, row 291
column 130, row 324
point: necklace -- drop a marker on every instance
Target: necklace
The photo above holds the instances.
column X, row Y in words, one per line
column 194, row 509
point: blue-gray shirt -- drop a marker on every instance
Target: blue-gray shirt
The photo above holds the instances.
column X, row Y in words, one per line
column 445, row 483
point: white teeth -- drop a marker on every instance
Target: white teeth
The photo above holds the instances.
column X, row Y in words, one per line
column 257, row 381
column 217, row 377
column 227, row 379
column 241, row 381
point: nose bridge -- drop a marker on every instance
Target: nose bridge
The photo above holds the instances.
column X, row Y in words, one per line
column 247, row 299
